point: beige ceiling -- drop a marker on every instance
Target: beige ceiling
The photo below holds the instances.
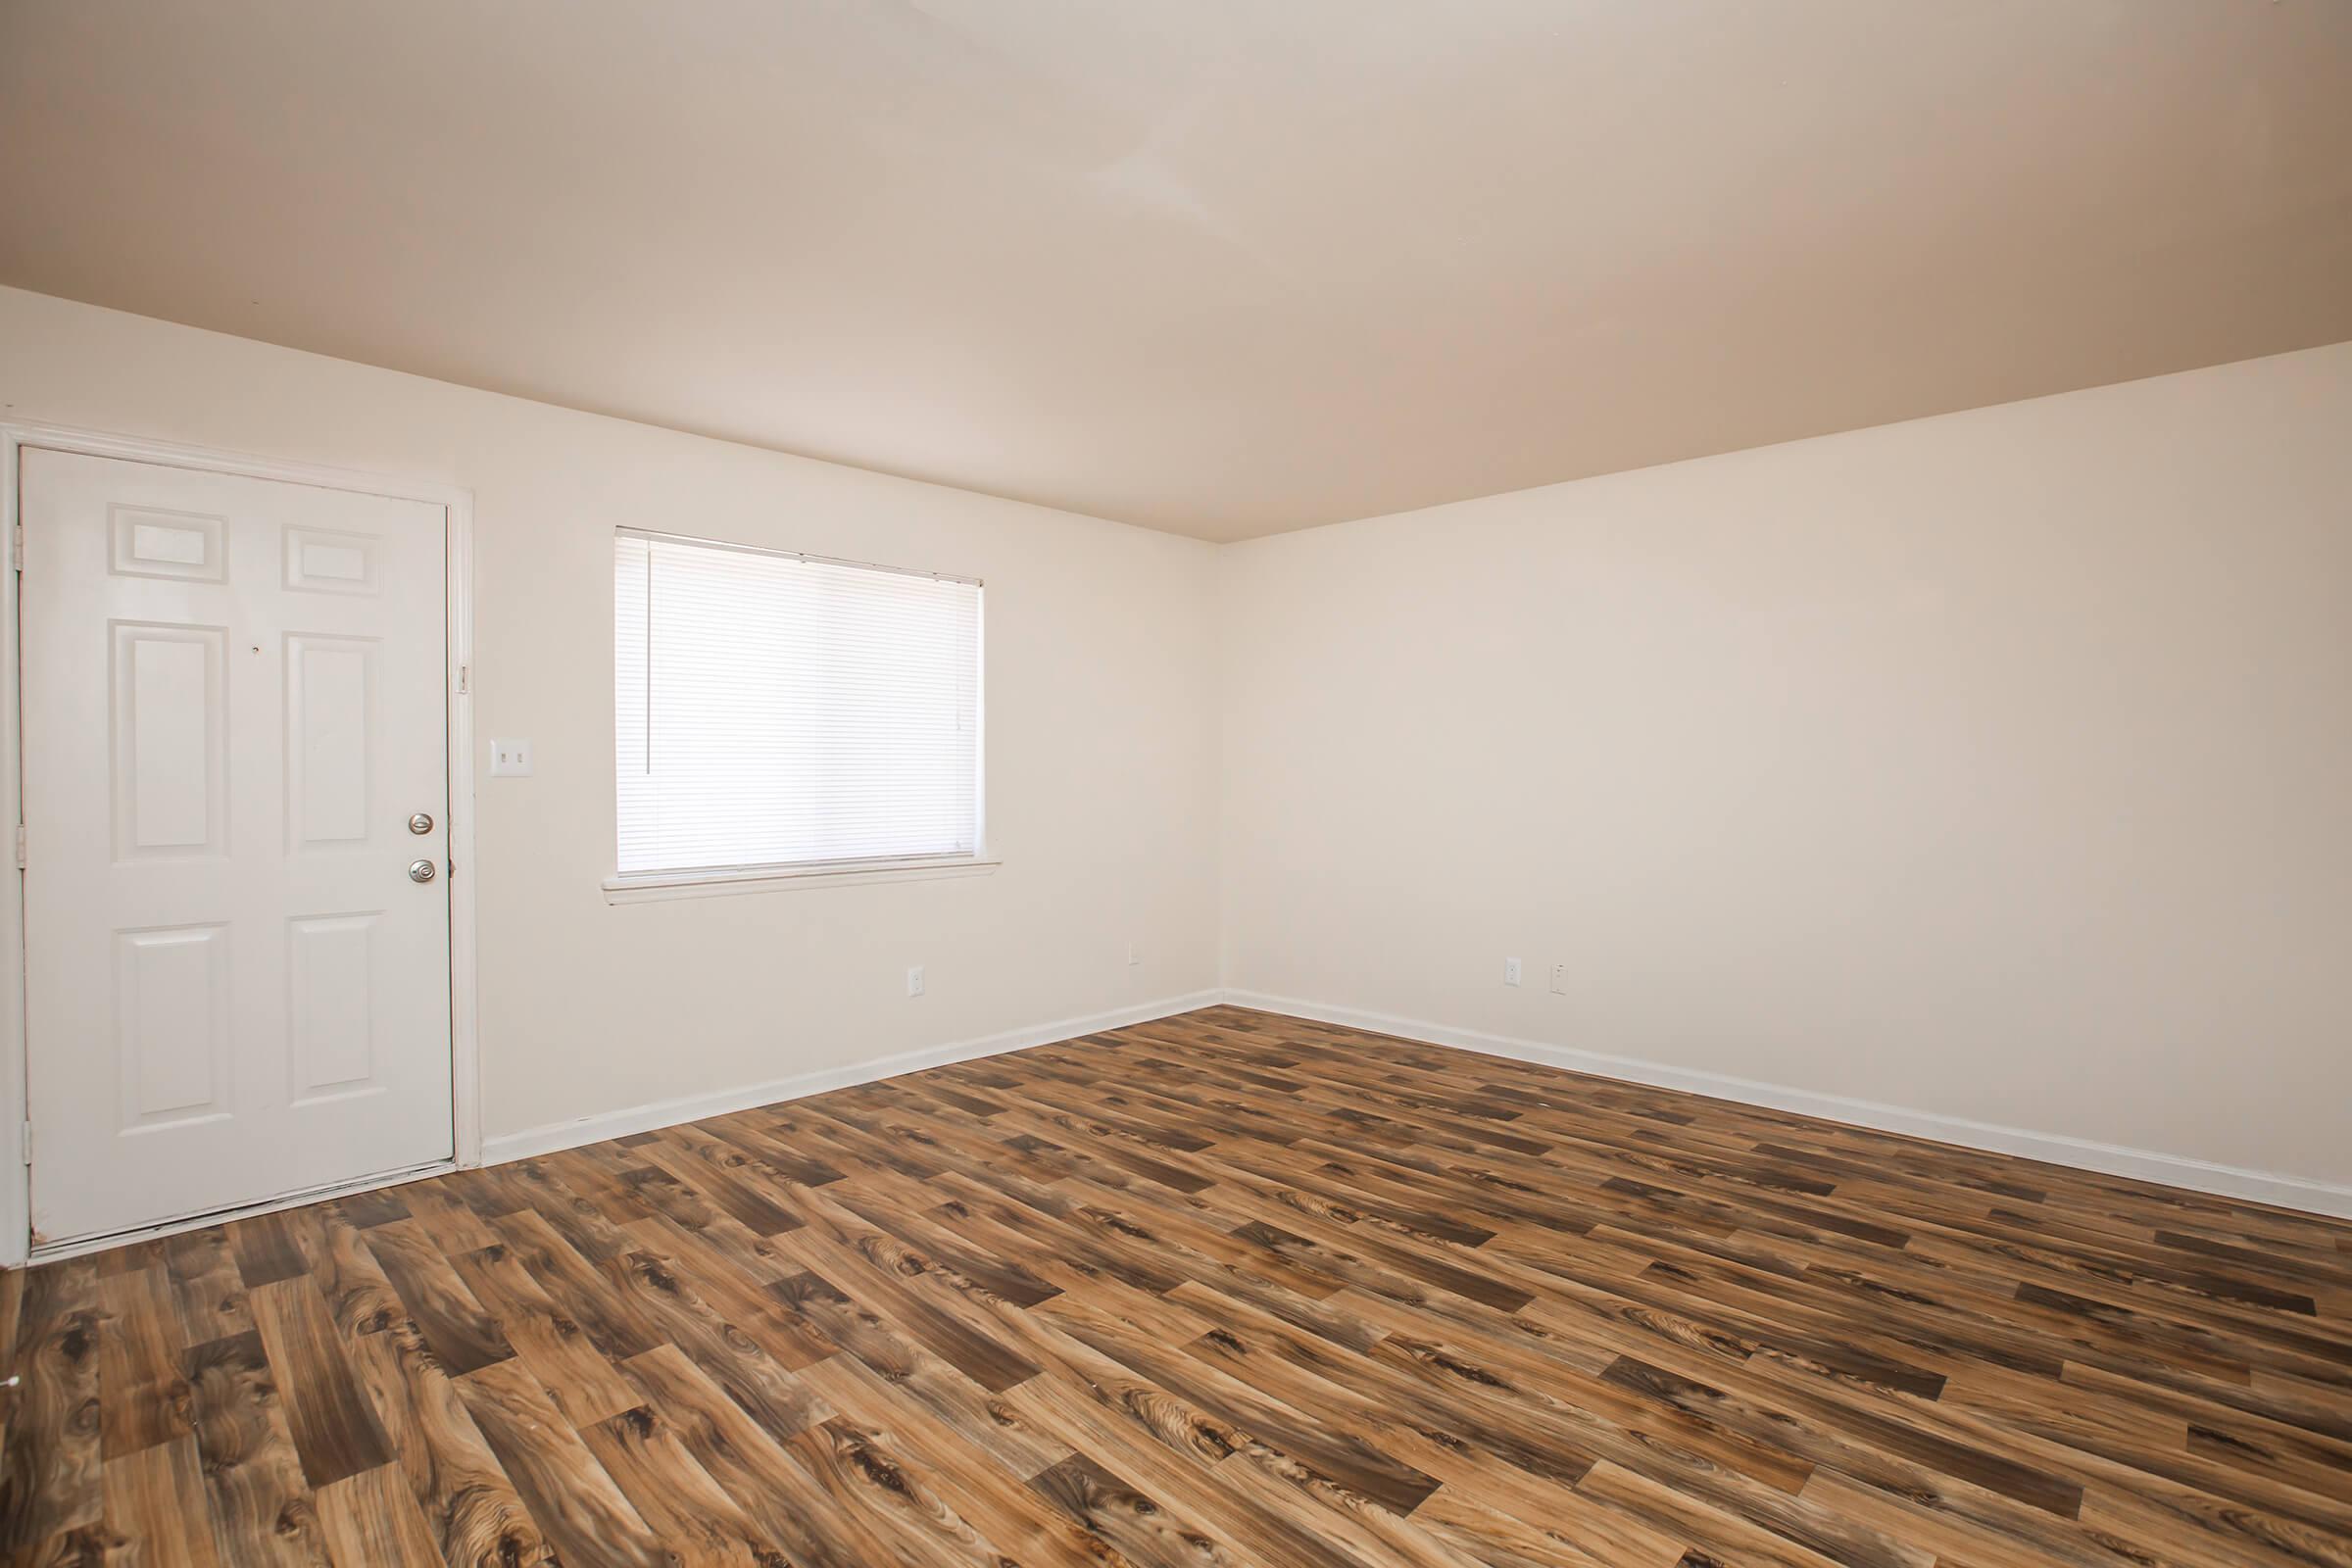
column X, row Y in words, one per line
column 1223, row 266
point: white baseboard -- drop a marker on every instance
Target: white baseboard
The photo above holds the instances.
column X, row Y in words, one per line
column 2112, row 1160
column 547, row 1139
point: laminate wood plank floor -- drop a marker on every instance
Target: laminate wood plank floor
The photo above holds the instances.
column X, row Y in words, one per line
column 1223, row 1288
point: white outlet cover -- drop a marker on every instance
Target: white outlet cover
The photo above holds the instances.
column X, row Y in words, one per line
column 1510, row 971
column 1559, row 979
column 509, row 759
column 914, row 981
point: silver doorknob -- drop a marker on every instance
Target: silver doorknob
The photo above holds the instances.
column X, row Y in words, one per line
column 421, row 871
column 421, row 823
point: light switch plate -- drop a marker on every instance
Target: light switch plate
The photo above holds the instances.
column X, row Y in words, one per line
column 509, row 759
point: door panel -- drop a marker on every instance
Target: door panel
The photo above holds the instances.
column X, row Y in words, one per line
column 171, row 762
column 171, row 1025
column 233, row 700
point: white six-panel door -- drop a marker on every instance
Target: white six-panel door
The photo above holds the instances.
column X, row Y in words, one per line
column 232, row 709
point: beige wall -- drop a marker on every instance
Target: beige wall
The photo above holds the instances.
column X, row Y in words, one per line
column 1100, row 731
column 1995, row 766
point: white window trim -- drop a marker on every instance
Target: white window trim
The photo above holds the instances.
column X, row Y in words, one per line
column 656, row 887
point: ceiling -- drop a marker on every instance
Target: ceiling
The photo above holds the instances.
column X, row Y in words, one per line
column 1221, row 267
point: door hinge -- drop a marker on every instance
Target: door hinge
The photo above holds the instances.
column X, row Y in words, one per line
column 25, row 1141
column 465, row 680
column 20, row 845
column 15, row 547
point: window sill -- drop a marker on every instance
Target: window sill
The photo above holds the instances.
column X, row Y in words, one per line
column 655, row 887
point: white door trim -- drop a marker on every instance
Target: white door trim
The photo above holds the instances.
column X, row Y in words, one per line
column 466, row 1112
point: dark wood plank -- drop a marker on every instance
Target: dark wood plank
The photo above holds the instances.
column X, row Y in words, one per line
column 687, row 1511
column 372, row 1517
column 49, row 1461
column 334, row 1427
column 156, row 1509
column 751, row 1466
column 206, row 1286
column 472, row 1510
column 463, row 1337
column 569, row 1494
column 266, row 1251
column 577, row 1377
column 261, row 1510
column 142, row 1395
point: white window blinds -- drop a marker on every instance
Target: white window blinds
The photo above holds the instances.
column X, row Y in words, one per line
column 776, row 710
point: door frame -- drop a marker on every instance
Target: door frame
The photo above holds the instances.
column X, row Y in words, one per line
column 17, row 1243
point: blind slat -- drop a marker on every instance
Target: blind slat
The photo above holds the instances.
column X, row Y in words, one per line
column 776, row 710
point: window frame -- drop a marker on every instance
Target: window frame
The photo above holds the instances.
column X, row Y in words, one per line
column 651, row 886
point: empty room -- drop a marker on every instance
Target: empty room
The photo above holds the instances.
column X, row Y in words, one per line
column 1179, row 784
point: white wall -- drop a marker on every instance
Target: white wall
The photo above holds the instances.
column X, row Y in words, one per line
column 1101, row 729
column 1995, row 767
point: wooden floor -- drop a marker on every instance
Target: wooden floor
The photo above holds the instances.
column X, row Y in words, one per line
column 1228, row 1289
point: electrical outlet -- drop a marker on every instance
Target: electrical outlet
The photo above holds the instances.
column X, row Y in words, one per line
column 1510, row 971
column 509, row 759
column 1132, row 958
column 1559, row 979
column 914, row 980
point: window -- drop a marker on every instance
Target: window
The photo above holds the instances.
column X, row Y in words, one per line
column 784, row 713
